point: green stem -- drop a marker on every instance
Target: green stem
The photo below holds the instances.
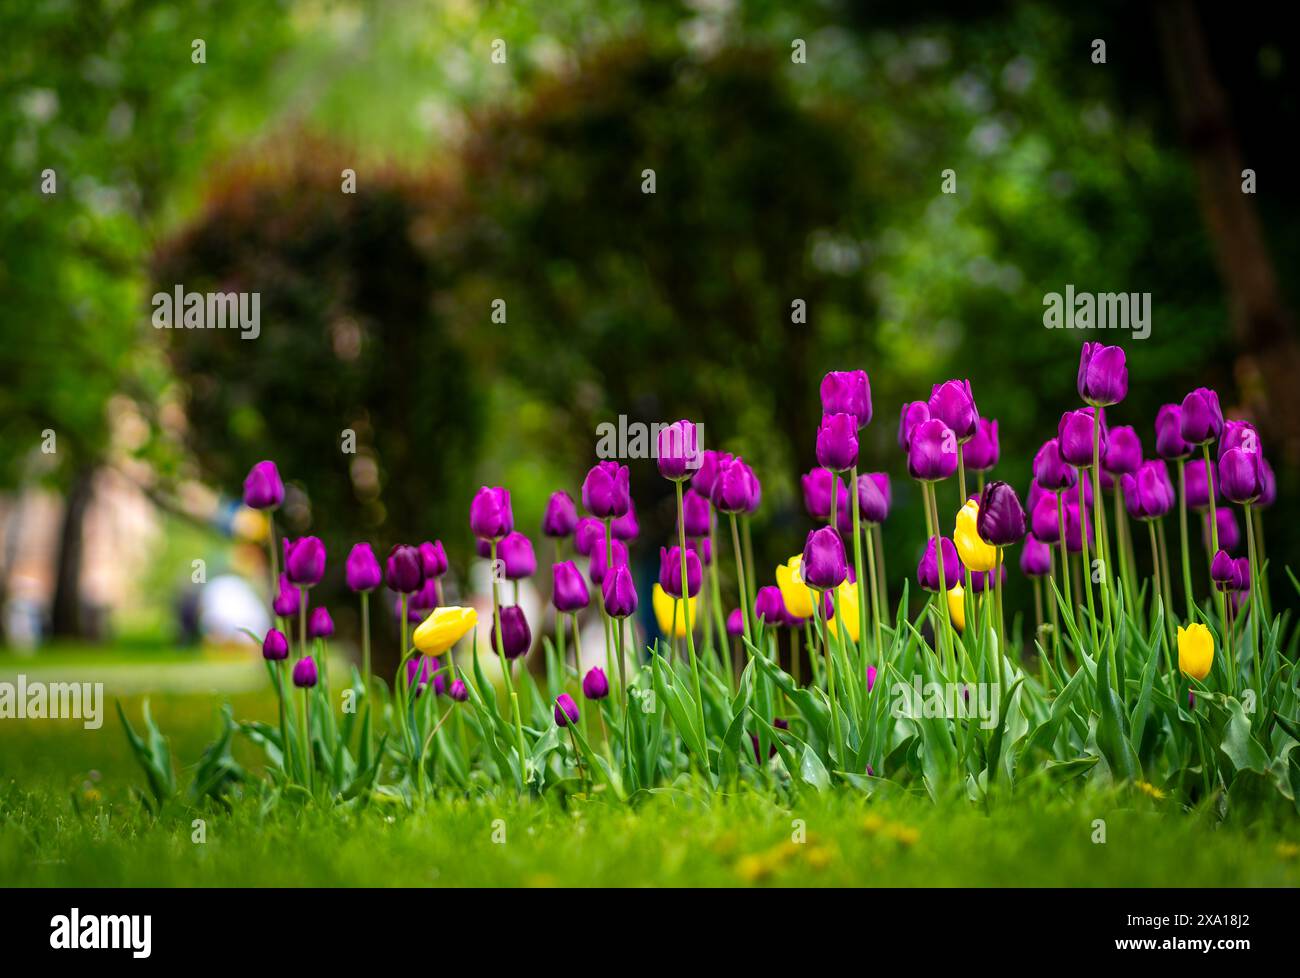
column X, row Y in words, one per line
column 860, row 582
column 1252, row 553
column 1214, row 530
column 1065, row 557
column 1182, row 529
column 1087, row 561
column 686, row 617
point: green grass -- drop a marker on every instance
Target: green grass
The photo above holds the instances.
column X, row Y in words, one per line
column 68, row 817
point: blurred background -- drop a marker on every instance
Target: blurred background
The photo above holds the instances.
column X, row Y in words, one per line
column 497, row 155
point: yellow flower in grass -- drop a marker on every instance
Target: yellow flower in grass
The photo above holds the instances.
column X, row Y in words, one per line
column 797, row 595
column 975, row 554
column 443, row 629
column 663, row 604
column 846, row 606
column 957, row 607
column 1195, row 651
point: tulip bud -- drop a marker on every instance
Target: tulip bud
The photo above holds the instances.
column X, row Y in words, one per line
column 561, row 517
column 490, row 515
column 952, row 403
column 1076, row 520
column 1001, row 519
column 433, row 559
column 1197, row 485
column 678, row 450
column 927, row 571
column 516, row 554
column 516, row 637
column 263, row 488
column 625, row 527
column 981, row 452
column 362, row 569
column 1170, row 443
column 605, row 491
column 735, row 488
column 837, row 442
column 1222, row 570
column 1123, row 451
column 847, row 392
column 1201, row 418
column 598, row 565
column 418, row 671
column 932, row 451
column 1148, row 493
column 824, row 565
column 304, row 673
column 305, row 561
column 1045, row 520
column 873, row 503
column 696, row 514
column 424, row 600
column 711, row 463
column 1074, row 437
column 769, row 607
column 287, row 601
column 1229, row 531
column 1035, row 558
column 670, row 571
column 569, row 592
column 595, row 685
column 1103, row 375
column 458, row 691
column 1051, row 471
column 1241, row 574
column 566, row 711
column 619, row 592
column 589, row 535
column 701, row 547
column 405, row 571
column 275, row 646
column 1241, row 475
column 319, row 623
column 912, row 414
column 817, row 493
column 735, row 623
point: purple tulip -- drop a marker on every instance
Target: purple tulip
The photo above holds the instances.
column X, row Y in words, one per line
column 735, row 623
column 515, row 551
column 734, row 488
column 275, row 646
column 595, row 685
column 981, row 452
column 912, row 414
column 1044, row 520
column 319, row 623
column 561, row 516
column 817, row 493
column 1123, row 451
column 1001, row 520
column 678, row 450
column 458, row 691
column 670, row 571
column 1229, row 530
column 932, row 451
column 1170, row 443
column 619, row 592
column 1051, row 471
column 286, row 602
column 1148, row 493
column 873, row 503
column 1074, row 437
column 1198, row 485
column 433, row 559
column 569, row 592
column 769, row 606
column 1035, row 558
column 516, row 637
column 304, row 673
column 1201, row 419
column 953, row 404
column 1241, row 476
column 605, row 491
column 305, row 561
column 418, row 671
column 711, row 463
column 927, row 571
column 599, row 562
column 983, row 580
column 837, row 442
column 422, row 601
column 490, row 515
column 362, row 569
column 1075, row 522
column 702, row 548
column 1239, row 434
column 696, row 514
column 263, row 488
column 1103, row 375
column 405, row 572
column 589, row 535
column 625, row 527
column 824, row 564
column 1241, row 574
column 566, row 711
column 1222, row 570
column 847, row 392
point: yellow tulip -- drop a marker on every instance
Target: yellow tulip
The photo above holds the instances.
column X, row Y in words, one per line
column 443, row 629
column 957, row 607
column 977, row 555
column 1195, row 650
column 846, row 606
column 797, row 595
column 663, row 604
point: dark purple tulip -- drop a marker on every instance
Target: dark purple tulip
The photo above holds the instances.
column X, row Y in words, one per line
column 670, row 571
column 561, row 516
column 619, row 592
column 711, row 463
column 824, row 564
column 362, row 569
column 696, row 514
column 595, row 685
column 953, row 404
column 263, row 488
column 1239, row 434
column 981, row 453
column 458, row 691
column 754, row 489
column 1075, row 521
column 837, row 442
column 589, row 535
column 275, row 646
column 1198, row 485
column 927, row 571
column 1123, row 451
column 490, row 515
column 305, row 562
column 286, row 602
column 1051, row 471
column 1036, row 492
column 913, row 413
column 1103, row 375
column 873, row 504
column 735, row 623
column 598, row 563
column 304, row 673
column 1035, row 558
column 982, row 581
column 1241, row 574
column 625, row 527
column 515, row 552
column 319, row 623
column 1001, row 520
column 734, row 488
column 1044, row 520
column 566, row 711
column 881, row 480
column 1241, row 476
column 569, row 592
column 1222, row 571
column 1201, row 419
column 1170, row 443
column 817, row 493
column 433, row 559
column 516, row 637
column 1074, row 437
column 483, row 547
column 422, row 601
column 605, row 491
column 701, row 547
column 679, row 450
column 769, row 606
column 1229, row 530
column 932, row 451
column 405, row 571
column 847, row 392
column 1148, row 493
column 418, row 671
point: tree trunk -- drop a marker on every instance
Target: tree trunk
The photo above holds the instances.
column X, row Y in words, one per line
column 1269, row 358
column 66, row 617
